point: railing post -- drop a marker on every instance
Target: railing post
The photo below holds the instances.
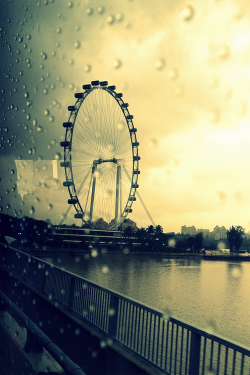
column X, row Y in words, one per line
column 113, row 315
column 71, row 292
column 194, row 362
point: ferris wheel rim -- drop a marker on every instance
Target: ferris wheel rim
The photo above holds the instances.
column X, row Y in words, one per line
column 67, row 145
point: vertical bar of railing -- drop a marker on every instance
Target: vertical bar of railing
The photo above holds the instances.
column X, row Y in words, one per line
column 176, row 348
column 149, row 336
column 71, row 293
column 146, row 335
column 142, row 332
column 113, row 315
column 162, row 341
column 158, row 340
column 125, row 322
column 132, row 326
column 242, row 364
column 204, row 356
column 166, row 358
column 171, row 346
column 181, row 351
column 194, row 361
column 234, row 360
column 138, row 330
column 153, row 341
column 121, row 320
column 211, row 356
column 226, row 357
column 136, row 309
column 128, row 324
column 187, row 346
column 218, row 360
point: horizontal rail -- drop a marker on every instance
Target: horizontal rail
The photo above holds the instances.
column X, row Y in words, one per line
column 167, row 343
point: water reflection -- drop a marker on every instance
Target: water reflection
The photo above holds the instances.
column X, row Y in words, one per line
column 195, row 290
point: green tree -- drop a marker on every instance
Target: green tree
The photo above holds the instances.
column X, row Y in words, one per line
column 128, row 234
column 235, row 237
column 198, row 241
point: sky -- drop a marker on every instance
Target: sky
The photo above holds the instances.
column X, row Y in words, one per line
column 183, row 67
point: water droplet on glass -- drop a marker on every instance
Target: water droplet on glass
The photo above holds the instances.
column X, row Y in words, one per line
column 103, row 344
column 110, row 20
column 215, row 115
column 117, row 64
column 89, row 11
column 100, row 10
column 125, row 251
column 77, row 44
column 188, row 13
column 105, row 269
column 160, row 64
column 58, row 156
column 39, row 129
column 119, row 17
column 171, row 242
column 70, row 4
column 87, row 68
column 32, row 210
column 153, row 143
column 173, row 74
column 49, row 207
column 211, row 327
column 94, row 253
column 120, row 125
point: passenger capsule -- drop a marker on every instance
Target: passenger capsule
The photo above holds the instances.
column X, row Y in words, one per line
column 128, row 210
column 136, row 158
column 79, row 215
column 119, row 95
column 68, row 183
column 104, row 83
column 133, row 130
column 71, row 108
column 65, row 144
column 95, row 83
column 124, row 105
column 112, row 88
column 135, row 186
column 65, row 164
column 132, row 198
column 72, row 201
column 129, row 117
column 67, row 124
column 86, row 87
column 79, row 95
column 135, row 144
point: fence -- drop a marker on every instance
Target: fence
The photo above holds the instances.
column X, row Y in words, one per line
column 169, row 344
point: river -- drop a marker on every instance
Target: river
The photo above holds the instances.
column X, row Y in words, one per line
column 209, row 294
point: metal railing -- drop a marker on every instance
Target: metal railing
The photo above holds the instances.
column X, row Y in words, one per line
column 169, row 344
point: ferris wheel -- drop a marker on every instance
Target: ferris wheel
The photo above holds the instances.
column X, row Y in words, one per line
column 101, row 159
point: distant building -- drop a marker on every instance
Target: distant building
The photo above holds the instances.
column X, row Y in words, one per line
column 31, row 173
column 219, row 232
column 205, row 232
column 188, row 230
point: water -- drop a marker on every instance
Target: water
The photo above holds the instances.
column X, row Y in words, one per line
column 208, row 294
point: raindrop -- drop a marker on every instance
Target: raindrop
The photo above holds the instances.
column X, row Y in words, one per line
column 44, row 55
column 87, row 68
column 70, row 4
column 188, row 13
column 46, row 112
column 49, row 207
column 71, row 62
column 100, row 10
column 77, row 44
column 239, row 13
column 215, row 115
column 77, row 331
column 32, row 210
column 51, row 118
column 111, row 312
column 59, row 30
column 119, row 17
column 105, row 269
column 153, row 143
column 160, row 64
column 125, row 251
column 117, row 64
column 26, row 94
column 171, row 242
column 211, row 327
column 110, row 20
column 58, row 156
column 173, row 74
column 103, row 344
column 39, row 129
column 179, row 90
column 236, row 271
column 120, row 125
column 89, row 11
column 94, row 253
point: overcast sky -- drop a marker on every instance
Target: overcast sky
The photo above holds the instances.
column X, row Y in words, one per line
column 182, row 67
